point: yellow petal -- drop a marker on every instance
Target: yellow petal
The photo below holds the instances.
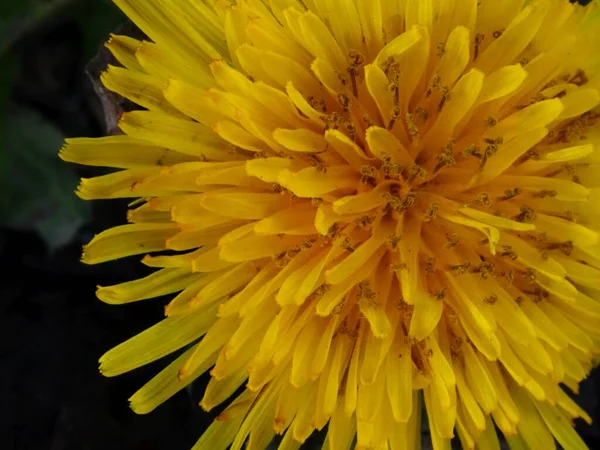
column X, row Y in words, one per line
column 162, row 282
column 127, row 240
column 163, row 338
column 141, row 88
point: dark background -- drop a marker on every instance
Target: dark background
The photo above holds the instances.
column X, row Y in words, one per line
column 52, row 328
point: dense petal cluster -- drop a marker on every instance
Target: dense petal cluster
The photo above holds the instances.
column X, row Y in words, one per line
column 371, row 207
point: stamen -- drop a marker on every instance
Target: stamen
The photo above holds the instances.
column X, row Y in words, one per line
column 490, row 150
column 472, row 150
column 369, row 175
column 529, row 275
column 351, row 130
column 529, row 154
column 498, row 33
column 510, row 194
column 365, row 221
column 460, row 269
column 422, row 114
column 347, row 245
column 413, row 129
column 453, row 240
column 415, row 171
column 444, row 159
column 357, row 62
column 392, row 241
column 580, row 78
column 485, row 269
column 527, row 215
column 440, row 49
column 545, row 193
column 317, row 162
column 389, row 64
column 316, row 103
column 446, row 96
column 490, row 121
column 430, row 266
column 399, row 204
column 508, row 252
column 394, row 118
column 396, row 267
column 367, row 120
column 434, row 86
column 344, row 102
column 431, row 212
column 395, row 90
column 479, row 37
column 491, row 299
column 482, row 199
column 440, row 295
column 568, row 216
column 333, row 233
column 366, row 294
column 390, row 168
column 332, row 121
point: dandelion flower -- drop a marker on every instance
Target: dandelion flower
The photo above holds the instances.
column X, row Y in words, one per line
column 366, row 209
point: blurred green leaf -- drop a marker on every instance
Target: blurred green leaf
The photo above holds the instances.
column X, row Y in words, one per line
column 96, row 19
column 37, row 189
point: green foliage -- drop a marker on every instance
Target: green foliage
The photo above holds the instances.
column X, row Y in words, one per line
column 37, row 188
column 96, row 19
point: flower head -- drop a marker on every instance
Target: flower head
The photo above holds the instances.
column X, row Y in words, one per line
column 375, row 207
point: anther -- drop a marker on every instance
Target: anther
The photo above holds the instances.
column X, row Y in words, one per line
column 369, row 174
column 472, row 150
column 440, row 49
column 460, row 269
column 432, row 211
column 357, row 61
column 394, row 88
column 392, row 241
column 452, row 240
column 485, row 269
column 416, row 171
column 482, row 199
column 390, row 168
column 529, row 154
column 347, row 245
column 490, row 121
column 317, row 162
column 527, row 215
column 580, row 78
column 317, row 104
column 394, row 117
column 430, row 266
column 529, row 275
column 444, row 159
column 388, row 64
column 344, row 102
column 510, row 193
column 479, row 37
column 446, row 96
column 544, row 193
column 508, row 252
column 434, row 86
column 413, row 130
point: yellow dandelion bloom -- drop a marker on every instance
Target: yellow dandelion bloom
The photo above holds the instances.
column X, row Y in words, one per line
column 372, row 208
